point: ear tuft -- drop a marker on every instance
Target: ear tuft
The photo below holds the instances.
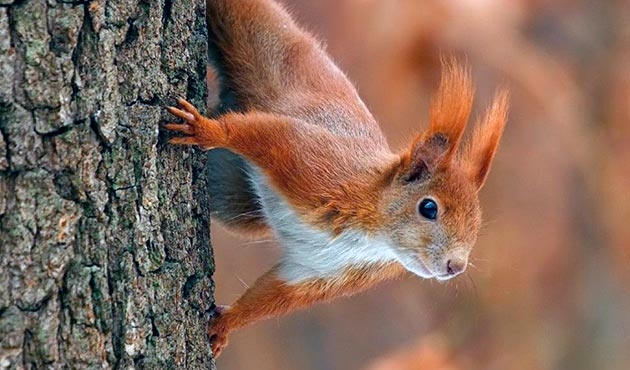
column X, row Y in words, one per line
column 484, row 143
column 450, row 109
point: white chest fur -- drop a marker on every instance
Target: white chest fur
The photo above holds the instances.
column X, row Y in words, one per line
column 312, row 253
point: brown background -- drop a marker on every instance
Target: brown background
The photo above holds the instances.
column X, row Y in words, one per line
column 548, row 285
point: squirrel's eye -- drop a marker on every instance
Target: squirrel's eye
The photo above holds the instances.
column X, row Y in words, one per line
column 428, row 209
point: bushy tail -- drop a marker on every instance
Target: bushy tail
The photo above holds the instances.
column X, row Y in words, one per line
column 233, row 200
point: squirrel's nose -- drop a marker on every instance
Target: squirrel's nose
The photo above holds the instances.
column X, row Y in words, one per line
column 456, row 266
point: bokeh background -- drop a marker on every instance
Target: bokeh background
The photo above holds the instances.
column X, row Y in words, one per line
column 549, row 282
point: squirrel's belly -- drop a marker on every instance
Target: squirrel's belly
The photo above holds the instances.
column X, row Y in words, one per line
column 310, row 252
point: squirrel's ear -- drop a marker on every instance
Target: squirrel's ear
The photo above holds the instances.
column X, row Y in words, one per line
column 450, row 109
column 484, row 143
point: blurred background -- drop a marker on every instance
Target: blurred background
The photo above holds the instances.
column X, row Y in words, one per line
column 549, row 282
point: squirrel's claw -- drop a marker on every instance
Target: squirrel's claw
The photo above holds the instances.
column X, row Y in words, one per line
column 181, row 114
column 217, row 331
column 183, row 140
column 217, row 343
column 184, row 128
column 197, row 129
column 188, row 107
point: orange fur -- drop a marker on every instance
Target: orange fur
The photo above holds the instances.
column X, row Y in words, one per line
column 304, row 127
column 480, row 151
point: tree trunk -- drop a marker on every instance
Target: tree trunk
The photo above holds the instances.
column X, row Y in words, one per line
column 104, row 241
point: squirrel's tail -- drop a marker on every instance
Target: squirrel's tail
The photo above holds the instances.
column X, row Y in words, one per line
column 233, row 200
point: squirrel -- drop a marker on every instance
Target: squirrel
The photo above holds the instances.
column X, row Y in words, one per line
column 305, row 160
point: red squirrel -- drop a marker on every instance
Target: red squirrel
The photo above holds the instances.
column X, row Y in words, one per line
column 307, row 162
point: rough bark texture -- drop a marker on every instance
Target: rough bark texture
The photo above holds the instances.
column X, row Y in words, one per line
column 104, row 242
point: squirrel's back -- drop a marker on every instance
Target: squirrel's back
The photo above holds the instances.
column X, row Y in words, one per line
column 269, row 64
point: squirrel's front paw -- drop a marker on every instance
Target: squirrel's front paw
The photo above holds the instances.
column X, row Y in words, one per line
column 197, row 129
column 218, row 331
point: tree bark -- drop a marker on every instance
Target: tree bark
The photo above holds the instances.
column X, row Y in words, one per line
column 105, row 254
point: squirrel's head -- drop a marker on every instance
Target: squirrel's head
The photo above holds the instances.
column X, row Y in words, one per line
column 431, row 205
